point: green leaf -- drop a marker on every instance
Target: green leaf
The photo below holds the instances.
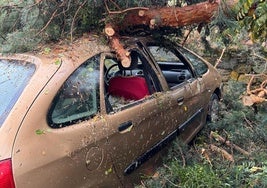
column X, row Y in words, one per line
column 39, row 132
column 47, row 50
column 58, row 62
column 108, row 171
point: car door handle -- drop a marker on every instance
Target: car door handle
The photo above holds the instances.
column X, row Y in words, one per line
column 180, row 100
column 125, row 127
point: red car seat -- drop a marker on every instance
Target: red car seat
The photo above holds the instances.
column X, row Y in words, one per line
column 130, row 88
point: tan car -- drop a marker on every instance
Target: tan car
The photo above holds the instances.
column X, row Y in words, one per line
column 74, row 116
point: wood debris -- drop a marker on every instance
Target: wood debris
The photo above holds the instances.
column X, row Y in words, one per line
column 258, row 95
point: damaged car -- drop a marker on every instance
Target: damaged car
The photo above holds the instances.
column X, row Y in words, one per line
column 74, row 116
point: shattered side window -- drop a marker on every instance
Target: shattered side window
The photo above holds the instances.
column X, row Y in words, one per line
column 14, row 76
column 78, row 98
column 163, row 55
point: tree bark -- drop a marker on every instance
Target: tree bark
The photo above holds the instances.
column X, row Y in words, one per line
column 171, row 16
column 122, row 54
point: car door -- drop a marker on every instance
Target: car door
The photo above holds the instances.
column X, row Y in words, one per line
column 179, row 74
column 139, row 128
column 201, row 69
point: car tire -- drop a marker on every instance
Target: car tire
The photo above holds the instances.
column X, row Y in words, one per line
column 213, row 109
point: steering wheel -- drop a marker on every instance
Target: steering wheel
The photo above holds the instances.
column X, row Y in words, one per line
column 107, row 75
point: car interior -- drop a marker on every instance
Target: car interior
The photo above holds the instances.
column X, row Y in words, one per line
column 175, row 73
column 126, row 85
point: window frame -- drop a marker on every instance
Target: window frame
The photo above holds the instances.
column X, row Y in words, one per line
column 96, row 85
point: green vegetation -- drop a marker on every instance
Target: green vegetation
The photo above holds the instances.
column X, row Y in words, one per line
column 26, row 24
column 253, row 17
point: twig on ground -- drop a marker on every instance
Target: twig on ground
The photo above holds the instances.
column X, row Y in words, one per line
column 249, row 124
column 206, row 155
column 223, row 152
column 228, row 143
column 171, row 182
column 143, row 184
column 220, row 58
column 182, row 155
column 257, row 95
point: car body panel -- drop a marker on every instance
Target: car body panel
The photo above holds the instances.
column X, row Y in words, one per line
column 193, row 108
column 72, row 148
column 141, row 136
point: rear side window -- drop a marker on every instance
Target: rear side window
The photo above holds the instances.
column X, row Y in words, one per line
column 78, row 98
column 14, row 76
column 199, row 66
column 173, row 68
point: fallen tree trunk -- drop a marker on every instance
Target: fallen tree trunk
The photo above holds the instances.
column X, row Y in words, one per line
column 170, row 16
column 165, row 16
column 152, row 18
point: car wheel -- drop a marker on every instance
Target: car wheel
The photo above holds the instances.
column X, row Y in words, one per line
column 214, row 107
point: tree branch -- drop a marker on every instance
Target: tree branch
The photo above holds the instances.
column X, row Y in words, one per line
column 228, row 143
column 223, row 152
column 122, row 54
column 123, row 11
column 74, row 18
column 219, row 60
column 47, row 24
